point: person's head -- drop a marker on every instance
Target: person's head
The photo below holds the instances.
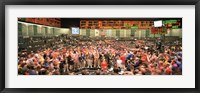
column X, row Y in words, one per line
column 136, row 70
column 87, row 72
column 160, row 62
column 83, row 72
column 38, row 67
column 172, row 62
column 139, row 73
column 116, row 70
column 143, row 70
column 43, row 72
column 98, row 72
column 31, row 67
column 158, row 71
column 179, row 59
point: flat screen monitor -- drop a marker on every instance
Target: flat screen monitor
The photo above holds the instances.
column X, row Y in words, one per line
column 158, row 23
column 75, row 30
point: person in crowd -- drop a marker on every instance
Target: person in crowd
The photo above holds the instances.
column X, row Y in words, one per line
column 104, row 65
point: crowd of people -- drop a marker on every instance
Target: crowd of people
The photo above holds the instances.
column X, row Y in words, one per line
column 72, row 56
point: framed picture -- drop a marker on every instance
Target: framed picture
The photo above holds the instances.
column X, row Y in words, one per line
column 99, row 46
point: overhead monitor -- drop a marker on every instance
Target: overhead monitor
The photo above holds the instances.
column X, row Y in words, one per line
column 75, row 30
column 158, row 23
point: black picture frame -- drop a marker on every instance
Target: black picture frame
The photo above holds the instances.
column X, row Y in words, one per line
column 3, row 3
